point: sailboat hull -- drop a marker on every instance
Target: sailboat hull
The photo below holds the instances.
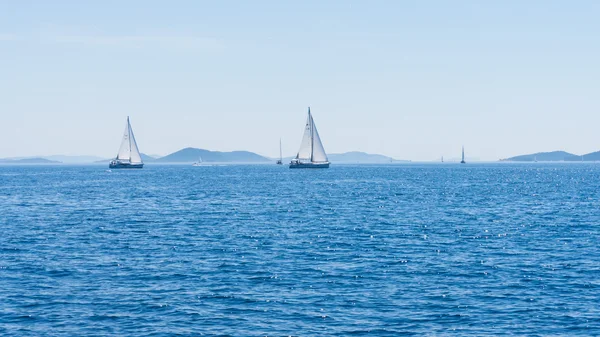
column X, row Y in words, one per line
column 117, row 165
column 295, row 165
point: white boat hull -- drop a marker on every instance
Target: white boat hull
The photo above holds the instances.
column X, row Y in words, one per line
column 309, row 165
column 124, row 165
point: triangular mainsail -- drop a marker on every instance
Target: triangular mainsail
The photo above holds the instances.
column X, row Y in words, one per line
column 305, row 151
column 125, row 148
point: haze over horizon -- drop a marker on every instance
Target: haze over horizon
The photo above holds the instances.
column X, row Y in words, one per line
column 411, row 80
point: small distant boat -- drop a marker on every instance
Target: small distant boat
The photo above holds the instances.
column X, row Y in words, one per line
column 462, row 161
column 129, row 154
column 280, row 160
column 442, row 159
column 198, row 163
column 535, row 159
column 311, row 153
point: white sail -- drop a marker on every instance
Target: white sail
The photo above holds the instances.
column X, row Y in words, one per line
column 318, row 154
column 136, row 158
column 305, row 151
column 128, row 151
column 280, row 153
column 125, row 148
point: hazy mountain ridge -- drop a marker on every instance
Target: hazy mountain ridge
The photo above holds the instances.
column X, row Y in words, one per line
column 34, row 160
column 190, row 155
column 76, row 159
column 555, row 156
column 592, row 156
column 361, row 157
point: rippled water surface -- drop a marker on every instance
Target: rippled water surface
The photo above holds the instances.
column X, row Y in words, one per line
column 264, row 250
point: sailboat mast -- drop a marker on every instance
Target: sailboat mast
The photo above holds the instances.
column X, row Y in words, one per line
column 129, row 136
column 312, row 137
column 280, row 153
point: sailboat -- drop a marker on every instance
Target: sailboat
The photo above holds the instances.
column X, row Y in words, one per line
column 129, row 154
column 280, row 160
column 198, row 163
column 462, row 161
column 311, row 153
column 442, row 159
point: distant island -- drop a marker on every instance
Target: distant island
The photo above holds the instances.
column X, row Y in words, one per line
column 34, row 160
column 362, row 158
column 555, row 156
column 65, row 159
column 191, row 155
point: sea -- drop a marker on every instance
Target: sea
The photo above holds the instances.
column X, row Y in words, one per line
column 262, row 250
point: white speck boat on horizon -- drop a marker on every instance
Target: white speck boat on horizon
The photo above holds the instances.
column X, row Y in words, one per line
column 280, row 160
column 198, row 163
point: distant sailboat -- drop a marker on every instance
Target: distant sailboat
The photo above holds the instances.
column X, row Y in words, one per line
column 462, row 161
column 198, row 163
column 442, row 159
column 311, row 153
column 129, row 154
column 280, row 160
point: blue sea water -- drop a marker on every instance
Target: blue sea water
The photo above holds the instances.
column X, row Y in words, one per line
column 388, row 250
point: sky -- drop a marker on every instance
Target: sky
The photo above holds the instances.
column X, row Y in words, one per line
column 409, row 79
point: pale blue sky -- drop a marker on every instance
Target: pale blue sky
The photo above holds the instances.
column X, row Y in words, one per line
column 409, row 79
